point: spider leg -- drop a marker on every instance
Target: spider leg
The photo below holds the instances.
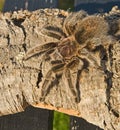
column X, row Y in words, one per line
column 90, row 57
column 78, row 86
column 70, row 84
column 83, row 64
column 76, row 64
column 40, row 49
column 53, row 31
column 51, row 79
column 46, row 55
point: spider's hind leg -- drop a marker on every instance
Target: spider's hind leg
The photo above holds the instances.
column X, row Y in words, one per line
column 53, row 31
column 51, row 79
column 74, row 64
column 71, row 85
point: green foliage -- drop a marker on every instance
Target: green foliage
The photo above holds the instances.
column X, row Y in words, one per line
column 66, row 4
column 61, row 121
column 1, row 4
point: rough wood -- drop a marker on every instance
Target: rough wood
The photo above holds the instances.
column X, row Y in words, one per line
column 100, row 100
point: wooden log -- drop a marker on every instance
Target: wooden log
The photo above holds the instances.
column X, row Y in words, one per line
column 22, row 79
column 32, row 118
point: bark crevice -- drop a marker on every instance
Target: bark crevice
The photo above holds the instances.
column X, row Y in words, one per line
column 95, row 89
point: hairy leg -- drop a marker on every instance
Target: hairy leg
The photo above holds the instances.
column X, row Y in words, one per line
column 40, row 49
column 51, row 79
column 54, row 32
column 71, row 84
column 76, row 64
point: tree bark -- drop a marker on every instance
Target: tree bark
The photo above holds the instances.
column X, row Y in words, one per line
column 20, row 79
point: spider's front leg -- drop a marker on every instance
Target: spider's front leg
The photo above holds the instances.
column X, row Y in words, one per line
column 51, row 79
column 40, row 49
column 53, row 31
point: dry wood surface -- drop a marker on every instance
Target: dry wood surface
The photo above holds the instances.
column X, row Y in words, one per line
column 79, row 72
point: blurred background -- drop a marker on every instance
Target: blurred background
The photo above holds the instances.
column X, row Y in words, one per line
column 91, row 6
column 1, row 4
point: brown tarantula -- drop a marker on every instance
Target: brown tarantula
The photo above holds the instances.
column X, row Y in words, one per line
column 77, row 42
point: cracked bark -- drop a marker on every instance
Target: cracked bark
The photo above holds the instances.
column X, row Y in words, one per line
column 20, row 80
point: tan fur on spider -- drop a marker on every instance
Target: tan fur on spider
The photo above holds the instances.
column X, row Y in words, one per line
column 80, row 38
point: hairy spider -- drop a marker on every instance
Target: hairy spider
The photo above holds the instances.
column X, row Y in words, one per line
column 77, row 43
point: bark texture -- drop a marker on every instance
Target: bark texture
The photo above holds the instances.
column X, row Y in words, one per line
column 20, row 79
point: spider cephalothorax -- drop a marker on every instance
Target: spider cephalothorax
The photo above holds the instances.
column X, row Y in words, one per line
column 75, row 49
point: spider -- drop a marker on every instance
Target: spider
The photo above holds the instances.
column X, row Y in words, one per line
column 74, row 50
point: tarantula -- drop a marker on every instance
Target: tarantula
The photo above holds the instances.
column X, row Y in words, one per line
column 77, row 42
